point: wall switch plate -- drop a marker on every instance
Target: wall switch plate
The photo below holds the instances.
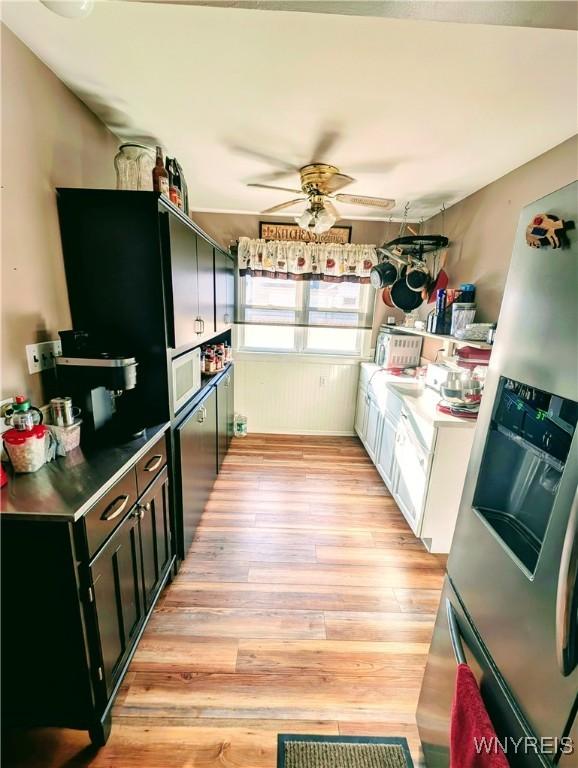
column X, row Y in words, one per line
column 41, row 356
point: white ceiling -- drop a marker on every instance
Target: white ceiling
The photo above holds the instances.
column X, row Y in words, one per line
column 421, row 111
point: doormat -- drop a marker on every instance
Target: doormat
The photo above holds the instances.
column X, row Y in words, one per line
column 299, row 751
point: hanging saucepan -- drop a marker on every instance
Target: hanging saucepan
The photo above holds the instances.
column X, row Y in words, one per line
column 383, row 274
column 402, row 296
column 417, row 276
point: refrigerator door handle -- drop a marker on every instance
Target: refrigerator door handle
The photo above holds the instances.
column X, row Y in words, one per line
column 566, row 630
column 455, row 634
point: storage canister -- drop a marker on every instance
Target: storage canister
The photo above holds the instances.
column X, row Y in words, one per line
column 26, row 448
column 462, row 314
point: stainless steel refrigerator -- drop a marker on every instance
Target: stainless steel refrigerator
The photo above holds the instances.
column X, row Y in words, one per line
column 510, row 599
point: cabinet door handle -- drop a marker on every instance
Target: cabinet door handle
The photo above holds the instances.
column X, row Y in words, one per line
column 227, row 381
column 202, row 325
column 198, row 326
column 202, row 414
column 153, row 463
column 116, row 508
column 227, row 318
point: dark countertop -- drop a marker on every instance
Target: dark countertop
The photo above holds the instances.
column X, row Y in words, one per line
column 66, row 488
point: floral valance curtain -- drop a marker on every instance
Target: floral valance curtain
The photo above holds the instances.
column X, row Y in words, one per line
column 331, row 262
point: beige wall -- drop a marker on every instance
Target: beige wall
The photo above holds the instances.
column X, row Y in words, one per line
column 49, row 139
column 482, row 227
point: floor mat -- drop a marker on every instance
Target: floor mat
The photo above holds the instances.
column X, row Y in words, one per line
column 300, row 751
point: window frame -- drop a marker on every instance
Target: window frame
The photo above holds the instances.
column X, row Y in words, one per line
column 301, row 328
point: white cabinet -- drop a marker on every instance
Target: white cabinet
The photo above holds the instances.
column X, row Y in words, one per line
column 372, row 428
column 410, row 473
column 421, row 458
column 361, row 413
column 385, row 453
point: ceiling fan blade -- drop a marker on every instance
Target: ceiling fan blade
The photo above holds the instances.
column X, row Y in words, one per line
column 281, row 206
column 264, row 157
column 331, row 209
column 370, row 202
column 338, row 181
column 264, row 178
column 325, row 143
column 268, row 186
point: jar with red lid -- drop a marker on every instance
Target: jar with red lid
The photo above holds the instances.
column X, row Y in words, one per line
column 26, row 449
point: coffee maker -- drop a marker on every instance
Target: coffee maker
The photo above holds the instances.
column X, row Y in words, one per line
column 100, row 384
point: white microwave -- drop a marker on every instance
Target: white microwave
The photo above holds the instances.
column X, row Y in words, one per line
column 186, row 378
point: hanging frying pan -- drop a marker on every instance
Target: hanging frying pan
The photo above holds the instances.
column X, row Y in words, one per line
column 402, row 295
column 386, row 298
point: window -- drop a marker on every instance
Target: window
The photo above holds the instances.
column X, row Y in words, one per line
column 304, row 316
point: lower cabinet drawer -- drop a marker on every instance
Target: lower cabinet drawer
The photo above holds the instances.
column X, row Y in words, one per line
column 150, row 465
column 110, row 510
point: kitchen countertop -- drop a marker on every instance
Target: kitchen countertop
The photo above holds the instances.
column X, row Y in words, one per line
column 420, row 402
column 67, row 487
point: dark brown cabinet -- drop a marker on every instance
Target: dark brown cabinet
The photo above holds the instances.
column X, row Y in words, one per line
column 225, row 415
column 224, row 291
column 196, row 440
column 72, row 617
column 117, row 594
column 230, row 406
column 141, row 281
column 181, row 248
column 206, row 289
column 126, row 576
column 155, row 535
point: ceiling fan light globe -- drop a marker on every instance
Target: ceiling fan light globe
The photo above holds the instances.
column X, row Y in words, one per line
column 325, row 220
column 306, row 220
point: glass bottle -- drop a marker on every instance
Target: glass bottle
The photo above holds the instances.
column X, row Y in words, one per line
column 160, row 175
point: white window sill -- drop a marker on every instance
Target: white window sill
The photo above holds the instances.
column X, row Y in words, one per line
column 300, row 357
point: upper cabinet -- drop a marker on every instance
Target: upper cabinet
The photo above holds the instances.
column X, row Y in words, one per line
column 142, row 281
column 206, row 288
column 181, row 251
column 189, row 260
column 224, row 291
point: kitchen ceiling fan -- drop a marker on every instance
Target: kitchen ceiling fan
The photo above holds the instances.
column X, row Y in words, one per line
column 319, row 184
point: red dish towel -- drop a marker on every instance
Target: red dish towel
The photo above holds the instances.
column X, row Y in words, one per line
column 473, row 738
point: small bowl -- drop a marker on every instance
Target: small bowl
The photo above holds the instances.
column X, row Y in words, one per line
column 471, row 388
column 452, row 395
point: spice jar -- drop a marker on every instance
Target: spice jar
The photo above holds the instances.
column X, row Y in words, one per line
column 209, row 361
column 26, row 448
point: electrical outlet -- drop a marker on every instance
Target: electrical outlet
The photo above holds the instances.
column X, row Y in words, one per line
column 41, row 356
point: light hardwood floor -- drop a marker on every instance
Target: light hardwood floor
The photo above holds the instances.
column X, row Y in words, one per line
column 305, row 605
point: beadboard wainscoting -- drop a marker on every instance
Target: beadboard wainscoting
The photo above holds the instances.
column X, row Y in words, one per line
column 296, row 394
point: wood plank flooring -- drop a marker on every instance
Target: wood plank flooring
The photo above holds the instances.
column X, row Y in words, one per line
column 305, row 605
